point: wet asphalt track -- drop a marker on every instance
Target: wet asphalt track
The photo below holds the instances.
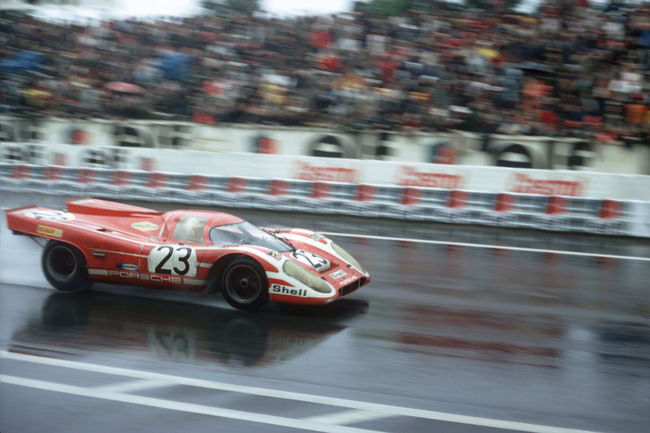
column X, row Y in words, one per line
column 446, row 338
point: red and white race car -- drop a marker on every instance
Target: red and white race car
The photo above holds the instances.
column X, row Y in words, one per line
column 191, row 250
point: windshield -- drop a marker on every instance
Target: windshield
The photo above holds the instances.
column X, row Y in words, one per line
column 245, row 233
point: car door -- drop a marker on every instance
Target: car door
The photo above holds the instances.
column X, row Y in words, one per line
column 116, row 257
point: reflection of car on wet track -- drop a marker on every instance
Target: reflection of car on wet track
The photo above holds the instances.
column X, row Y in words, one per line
column 181, row 331
column 99, row 240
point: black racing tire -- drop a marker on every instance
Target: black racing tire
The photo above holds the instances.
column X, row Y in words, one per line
column 244, row 284
column 65, row 267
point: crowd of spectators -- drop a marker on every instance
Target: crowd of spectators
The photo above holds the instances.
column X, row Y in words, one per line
column 566, row 71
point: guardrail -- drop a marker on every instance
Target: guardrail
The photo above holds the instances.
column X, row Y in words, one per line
column 545, row 212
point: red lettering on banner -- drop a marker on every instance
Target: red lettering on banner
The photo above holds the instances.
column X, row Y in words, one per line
column 86, row 175
column 60, row 159
column 409, row 176
column 196, row 182
column 79, row 136
column 52, row 172
column 524, row 184
column 307, row 171
column 20, row 172
column 121, row 177
column 147, row 164
column 267, row 145
column 157, row 180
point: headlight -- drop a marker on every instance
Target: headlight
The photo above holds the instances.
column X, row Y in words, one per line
column 347, row 257
column 304, row 276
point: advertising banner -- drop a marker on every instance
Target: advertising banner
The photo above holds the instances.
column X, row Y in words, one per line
column 422, row 175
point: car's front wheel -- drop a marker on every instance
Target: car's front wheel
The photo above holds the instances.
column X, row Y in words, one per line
column 65, row 267
column 244, row 284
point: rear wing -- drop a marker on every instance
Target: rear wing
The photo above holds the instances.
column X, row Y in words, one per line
column 94, row 206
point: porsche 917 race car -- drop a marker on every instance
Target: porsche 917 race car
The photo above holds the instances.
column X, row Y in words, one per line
column 98, row 240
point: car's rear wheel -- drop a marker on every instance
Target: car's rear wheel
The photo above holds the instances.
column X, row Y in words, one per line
column 65, row 267
column 244, row 284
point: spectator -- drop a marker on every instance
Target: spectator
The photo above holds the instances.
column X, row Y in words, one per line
column 566, row 71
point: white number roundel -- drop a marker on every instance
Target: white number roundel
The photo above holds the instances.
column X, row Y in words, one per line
column 173, row 260
column 50, row 215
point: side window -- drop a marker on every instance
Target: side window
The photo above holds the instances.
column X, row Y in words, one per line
column 190, row 228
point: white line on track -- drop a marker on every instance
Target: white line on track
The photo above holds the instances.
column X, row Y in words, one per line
column 349, row 417
column 132, row 386
column 489, row 246
column 177, row 405
column 249, row 416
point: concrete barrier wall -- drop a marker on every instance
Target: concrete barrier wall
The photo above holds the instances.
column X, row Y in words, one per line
column 555, row 212
column 460, row 148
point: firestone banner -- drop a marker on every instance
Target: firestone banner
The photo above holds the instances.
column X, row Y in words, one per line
column 443, row 176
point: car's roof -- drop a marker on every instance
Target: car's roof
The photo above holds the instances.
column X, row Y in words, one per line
column 214, row 218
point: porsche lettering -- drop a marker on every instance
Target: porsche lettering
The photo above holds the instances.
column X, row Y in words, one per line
column 146, row 277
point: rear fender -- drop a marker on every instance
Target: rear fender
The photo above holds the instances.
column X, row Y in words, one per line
column 43, row 223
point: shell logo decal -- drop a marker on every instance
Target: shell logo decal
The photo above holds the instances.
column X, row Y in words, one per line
column 145, row 226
